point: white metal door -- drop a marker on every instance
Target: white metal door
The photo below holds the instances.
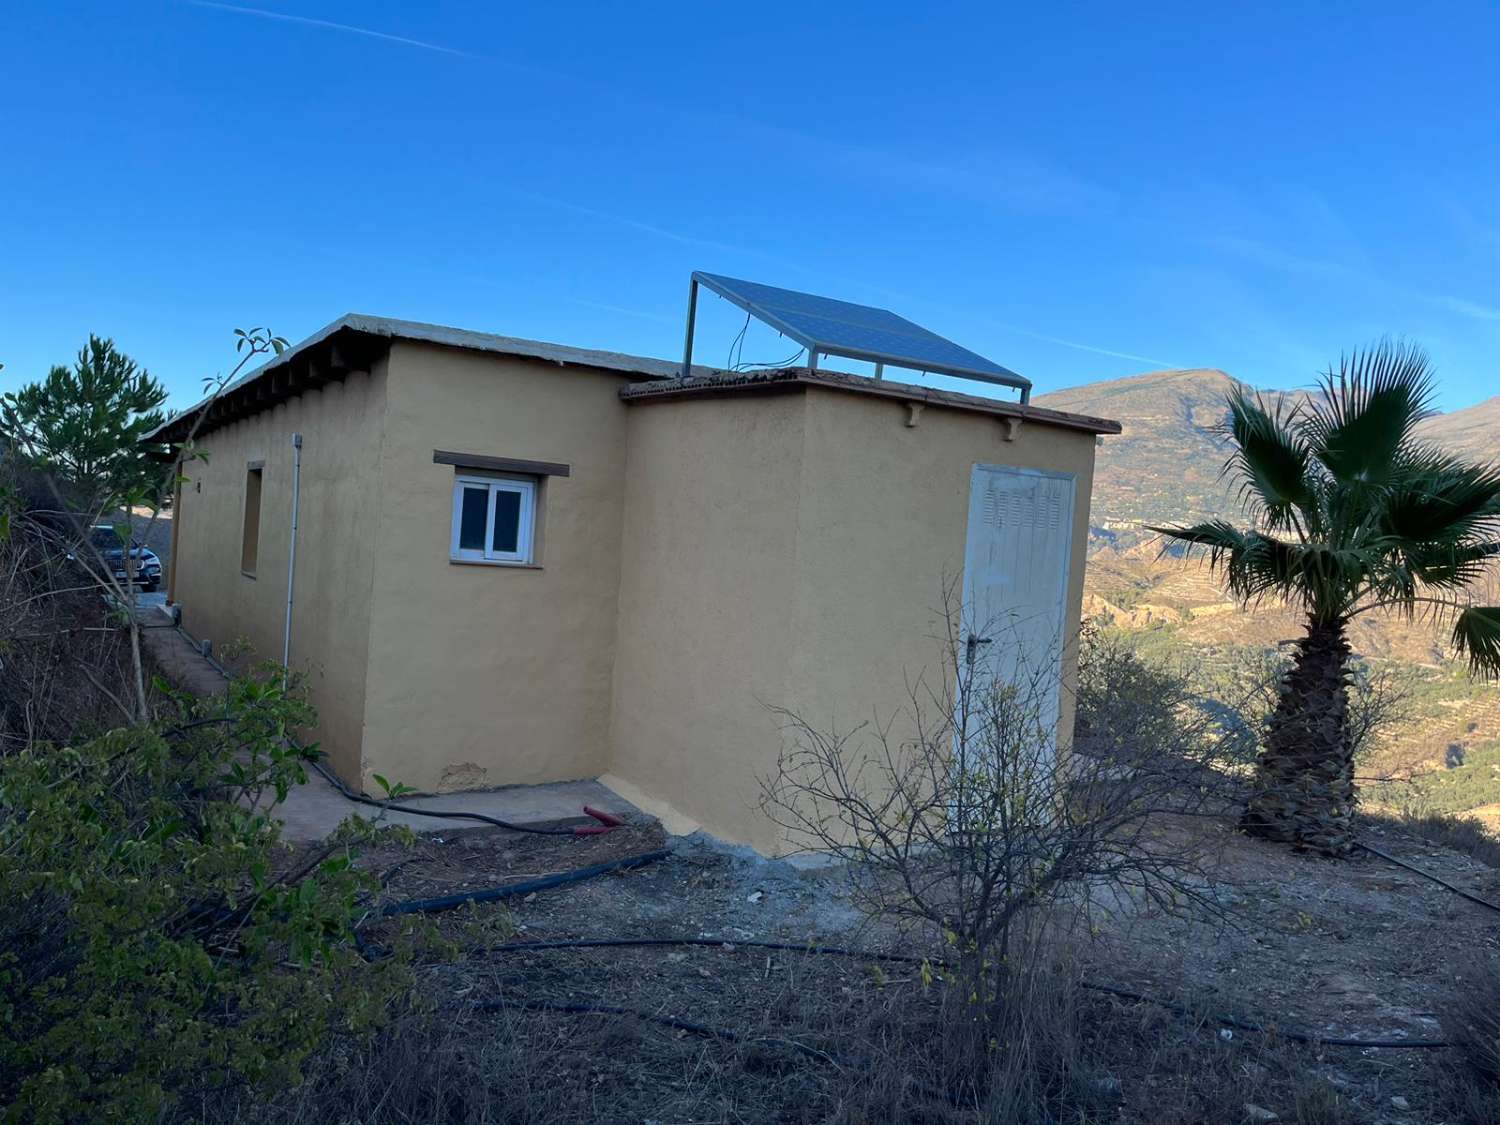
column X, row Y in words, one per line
column 1016, row 581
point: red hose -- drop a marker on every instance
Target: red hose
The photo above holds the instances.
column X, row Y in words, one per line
column 605, row 818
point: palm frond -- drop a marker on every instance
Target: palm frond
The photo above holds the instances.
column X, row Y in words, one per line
column 1452, row 566
column 1253, row 564
column 1213, row 536
column 1477, row 633
column 1364, row 420
column 1436, row 498
column 1324, row 577
column 1270, row 457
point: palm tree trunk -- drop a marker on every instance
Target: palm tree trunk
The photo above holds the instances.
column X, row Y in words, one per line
column 1304, row 785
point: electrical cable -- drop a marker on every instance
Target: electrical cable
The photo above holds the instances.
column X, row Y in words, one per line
column 1429, row 875
column 778, row 365
column 738, row 341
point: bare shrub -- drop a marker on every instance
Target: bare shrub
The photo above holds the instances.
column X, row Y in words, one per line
column 1127, row 700
column 961, row 811
column 1237, row 693
column 64, row 661
column 962, row 815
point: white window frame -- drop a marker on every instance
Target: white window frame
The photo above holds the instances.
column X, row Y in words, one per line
column 525, row 533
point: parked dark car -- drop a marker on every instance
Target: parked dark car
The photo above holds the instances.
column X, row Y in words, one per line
column 143, row 560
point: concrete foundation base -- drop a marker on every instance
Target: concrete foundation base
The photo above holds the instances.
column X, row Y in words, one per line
column 312, row 811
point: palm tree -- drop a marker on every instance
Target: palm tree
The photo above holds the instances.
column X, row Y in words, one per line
column 1350, row 513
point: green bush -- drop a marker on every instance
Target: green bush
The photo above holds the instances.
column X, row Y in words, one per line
column 157, row 939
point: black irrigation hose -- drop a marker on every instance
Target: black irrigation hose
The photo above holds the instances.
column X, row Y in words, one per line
column 1092, row 986
column 1429, row 875
column 359, row 798
column 1262, row 1029
column 577, row 1008
column 511, row 890
column 786, row 946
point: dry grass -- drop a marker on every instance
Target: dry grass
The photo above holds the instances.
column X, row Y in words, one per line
column 824, row 1040
column 1459, row 833
column 1470, row 1073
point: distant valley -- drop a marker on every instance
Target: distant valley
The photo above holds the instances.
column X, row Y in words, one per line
column 1167, row 467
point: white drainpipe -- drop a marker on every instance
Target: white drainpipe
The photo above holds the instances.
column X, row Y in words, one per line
column 291, row 561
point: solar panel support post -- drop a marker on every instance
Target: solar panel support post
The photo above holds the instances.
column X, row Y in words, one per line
column 692, row 315
column 812, row 359
column 880, row 371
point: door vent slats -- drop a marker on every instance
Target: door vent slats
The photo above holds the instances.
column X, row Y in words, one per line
column 1030, row 507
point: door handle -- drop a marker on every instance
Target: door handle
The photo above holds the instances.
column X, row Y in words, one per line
column 973, row 643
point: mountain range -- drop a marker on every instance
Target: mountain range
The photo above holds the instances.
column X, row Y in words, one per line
column 1167, row 465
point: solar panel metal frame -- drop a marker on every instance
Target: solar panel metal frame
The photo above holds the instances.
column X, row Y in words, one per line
column 726, row 287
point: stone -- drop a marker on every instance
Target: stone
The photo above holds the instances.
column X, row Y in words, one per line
column 1400, row 1103
column 1255, row 1112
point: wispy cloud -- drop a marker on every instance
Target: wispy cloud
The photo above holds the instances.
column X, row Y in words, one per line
column 1006, row 178
column 1272, row 257
column 1264, row 254
column 330, row 25
column 622, row 310
column 1472, row 309
column 645, row 228
column 1082, row 347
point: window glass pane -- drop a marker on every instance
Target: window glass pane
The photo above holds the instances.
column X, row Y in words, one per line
column 471, row 519
column 507, row 521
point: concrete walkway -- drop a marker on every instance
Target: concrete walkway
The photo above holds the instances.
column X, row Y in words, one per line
column 312, row 811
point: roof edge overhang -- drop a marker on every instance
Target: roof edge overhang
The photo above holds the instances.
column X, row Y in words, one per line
column 354, row 343
column 786, row 380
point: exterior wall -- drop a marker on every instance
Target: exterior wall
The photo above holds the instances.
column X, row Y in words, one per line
column 705, row 559
column 493, row 675
column 706, row 617
column 790, row 550
column 341, row 425
column 883, row 525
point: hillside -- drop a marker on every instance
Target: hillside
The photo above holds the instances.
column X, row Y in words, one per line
column 1169, row 457
column 1166, row 467
column 1473, row 432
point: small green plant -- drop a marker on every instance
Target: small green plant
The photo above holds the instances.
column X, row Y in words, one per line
column 392, row 789
column 158, row 938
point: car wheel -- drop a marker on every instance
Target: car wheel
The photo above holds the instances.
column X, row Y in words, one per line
column 149, row 587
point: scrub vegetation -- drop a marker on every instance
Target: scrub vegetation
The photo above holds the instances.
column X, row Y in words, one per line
column 165, row 956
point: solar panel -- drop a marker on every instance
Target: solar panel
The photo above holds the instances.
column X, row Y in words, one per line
column 825, row 326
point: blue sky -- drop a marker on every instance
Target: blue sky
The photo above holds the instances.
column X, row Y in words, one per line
column 1077, row 191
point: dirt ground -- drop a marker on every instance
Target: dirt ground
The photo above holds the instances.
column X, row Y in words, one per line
column 1354, row 948
column 1358, row 948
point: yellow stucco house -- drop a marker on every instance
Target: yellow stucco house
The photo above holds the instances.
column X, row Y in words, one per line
column 522, row 562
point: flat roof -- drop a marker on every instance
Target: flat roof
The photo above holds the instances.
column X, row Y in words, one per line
column 354, row 341
column 794, row 378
